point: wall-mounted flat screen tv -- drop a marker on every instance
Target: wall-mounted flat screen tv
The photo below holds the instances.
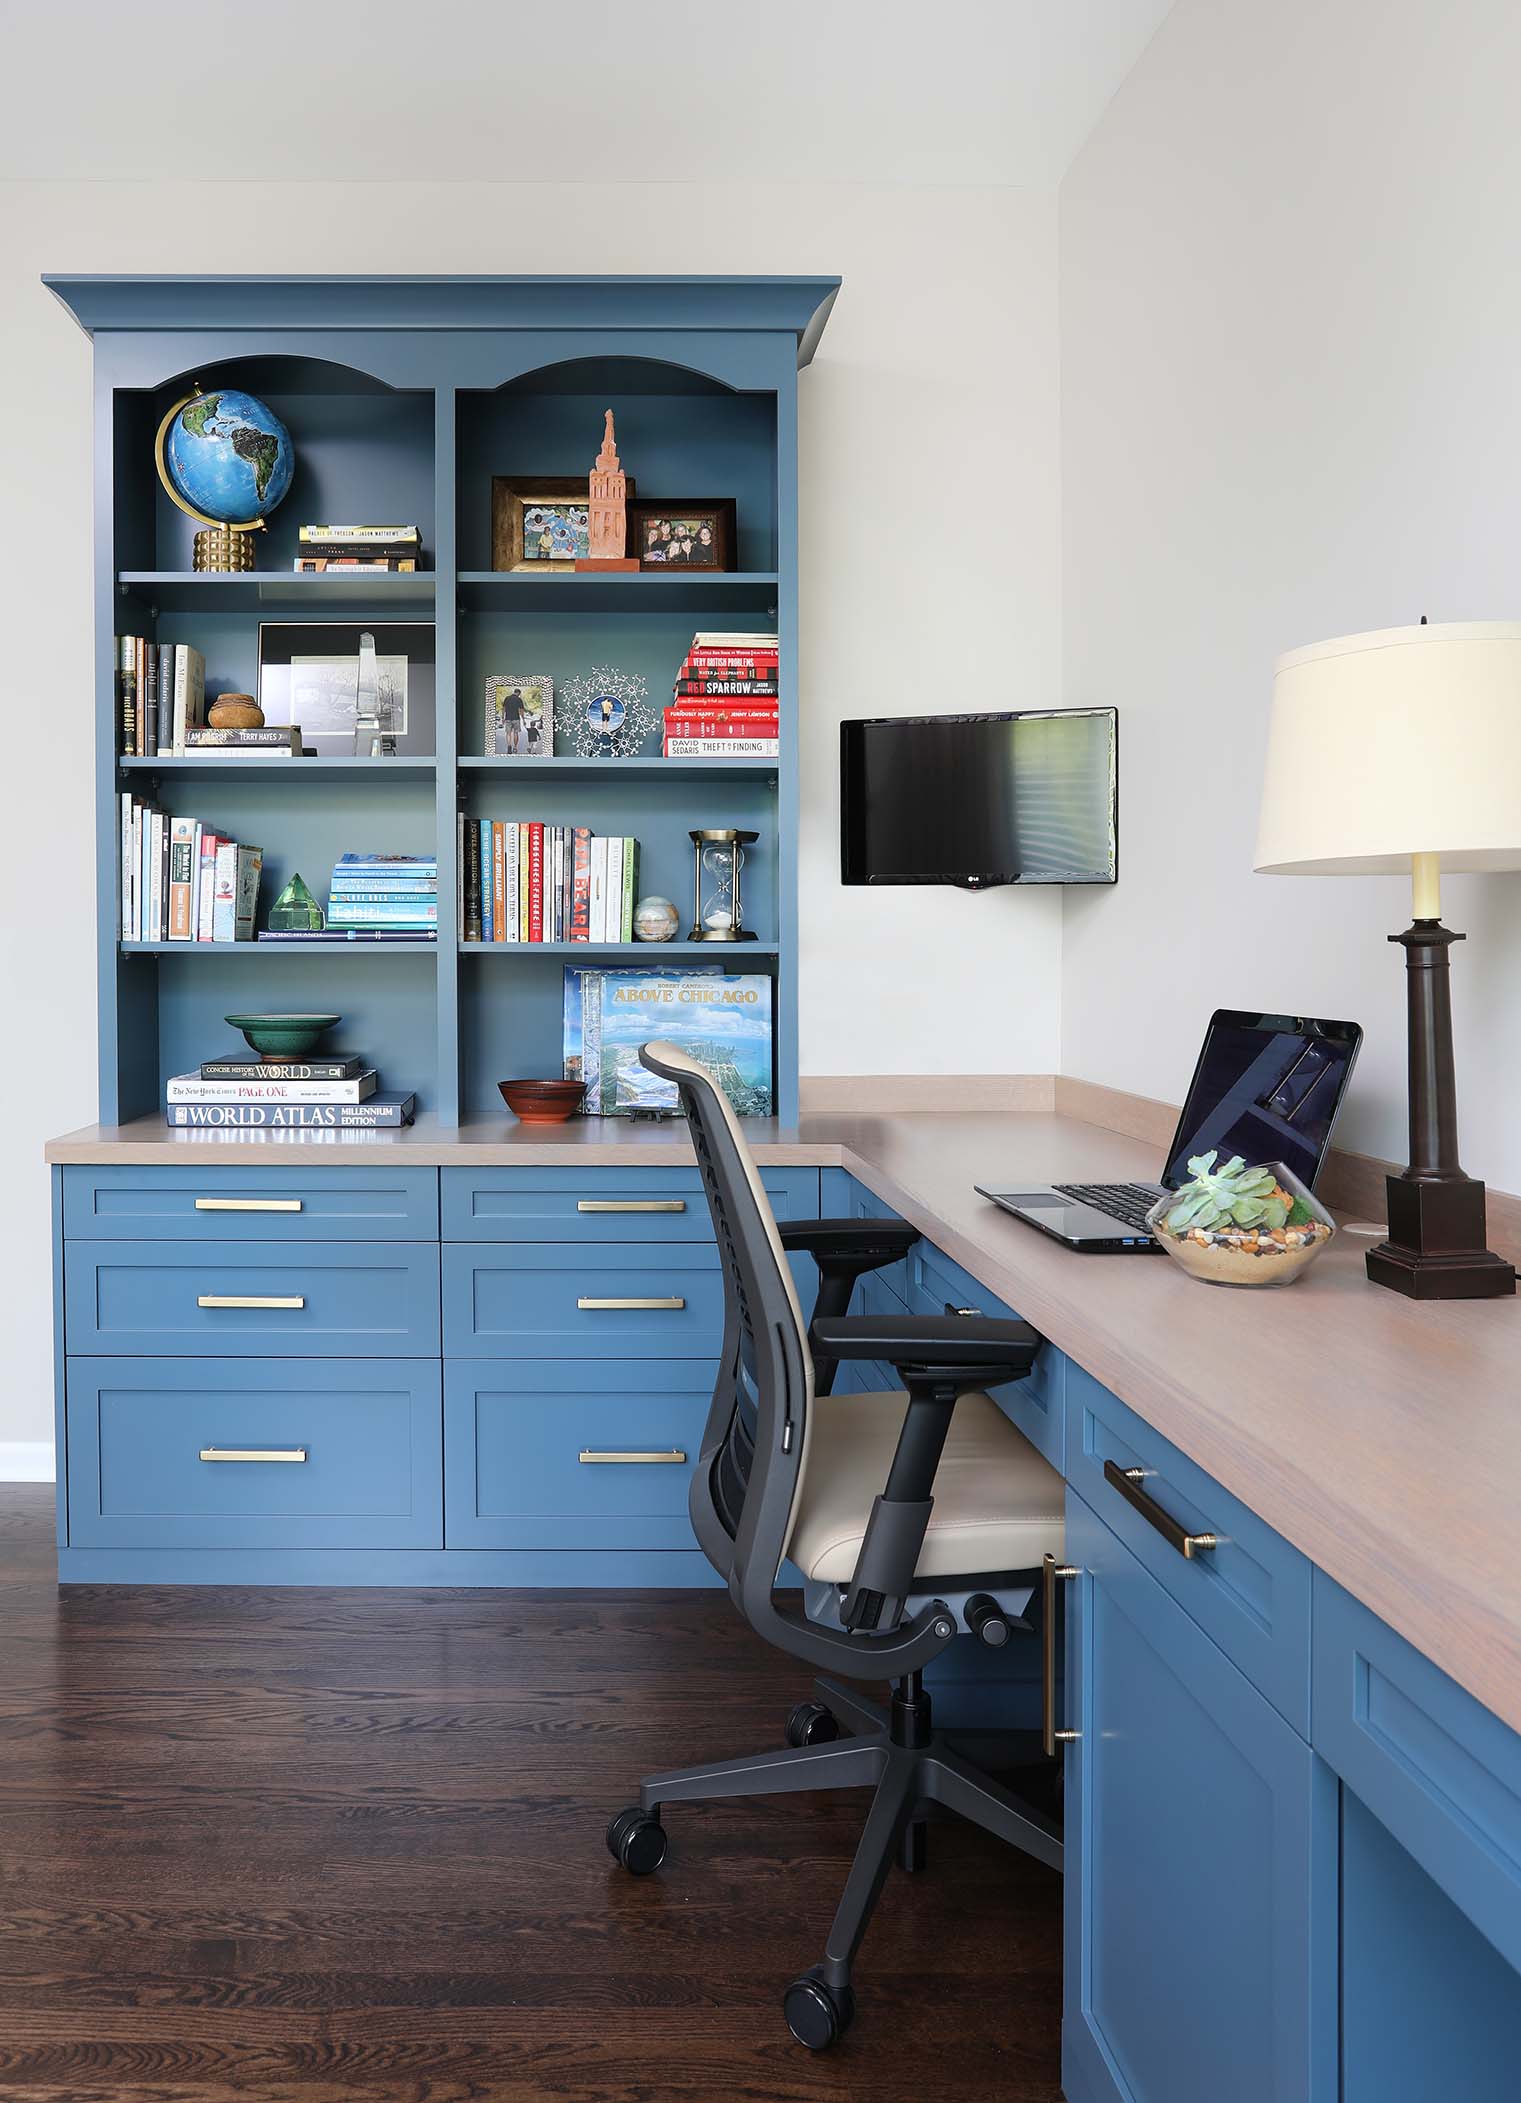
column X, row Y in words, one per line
column 1023, row 798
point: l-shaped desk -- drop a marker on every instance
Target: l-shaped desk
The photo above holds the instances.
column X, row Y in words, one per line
column 1294, row 1793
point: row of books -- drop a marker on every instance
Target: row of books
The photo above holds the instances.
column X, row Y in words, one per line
column 720, row 1018
column 324, row 549
column 532, row 882
column 181, row 881
column 160, row 696
column 725, row 704
column 397, row 892
column 340, row 1093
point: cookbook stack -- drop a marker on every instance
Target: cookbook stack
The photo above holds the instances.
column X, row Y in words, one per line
column 725, row 703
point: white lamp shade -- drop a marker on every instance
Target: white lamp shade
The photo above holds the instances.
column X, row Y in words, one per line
column 1400, row 742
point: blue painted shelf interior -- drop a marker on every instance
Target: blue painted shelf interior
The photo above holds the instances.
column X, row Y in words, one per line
column 409, row 425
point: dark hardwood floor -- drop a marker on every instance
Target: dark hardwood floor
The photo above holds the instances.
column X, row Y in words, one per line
column 310, row 1845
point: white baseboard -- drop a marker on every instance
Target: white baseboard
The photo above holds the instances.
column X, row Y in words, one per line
column 26, row 1460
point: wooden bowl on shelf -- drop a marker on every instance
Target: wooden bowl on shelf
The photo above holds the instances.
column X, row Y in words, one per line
column 542, row 1102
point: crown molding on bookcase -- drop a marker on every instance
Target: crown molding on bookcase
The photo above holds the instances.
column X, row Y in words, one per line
column 798, row 305
column 1350, row 1183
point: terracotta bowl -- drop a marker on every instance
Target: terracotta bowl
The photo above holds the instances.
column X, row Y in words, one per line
column 542, row 1102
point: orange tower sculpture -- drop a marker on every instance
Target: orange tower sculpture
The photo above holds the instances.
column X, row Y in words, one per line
column 607, row 519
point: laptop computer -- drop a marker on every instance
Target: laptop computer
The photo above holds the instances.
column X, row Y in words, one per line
column 1267, row 1087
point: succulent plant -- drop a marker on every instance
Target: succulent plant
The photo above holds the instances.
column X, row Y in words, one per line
column 1232, row 1196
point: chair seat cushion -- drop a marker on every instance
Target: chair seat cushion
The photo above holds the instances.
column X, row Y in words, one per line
column 998, row 1504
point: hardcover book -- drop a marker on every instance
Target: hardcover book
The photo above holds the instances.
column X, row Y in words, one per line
column 195, row 1088
column 380, row 1112
column 720, row 1018
column 343, row 1066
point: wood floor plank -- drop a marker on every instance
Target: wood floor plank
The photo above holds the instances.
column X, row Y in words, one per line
column 316, row 1846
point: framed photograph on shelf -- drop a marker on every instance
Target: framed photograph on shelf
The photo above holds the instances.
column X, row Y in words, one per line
column 309, row 675
column 692, row 533
column 540, row 523
column 520, row 716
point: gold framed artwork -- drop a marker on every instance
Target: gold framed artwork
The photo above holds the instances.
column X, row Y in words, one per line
column 540, row 523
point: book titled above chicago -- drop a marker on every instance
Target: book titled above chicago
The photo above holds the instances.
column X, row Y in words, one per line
column 340, row 1093
column 726, row 699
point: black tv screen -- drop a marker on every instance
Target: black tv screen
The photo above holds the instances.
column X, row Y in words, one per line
column 1027, row 798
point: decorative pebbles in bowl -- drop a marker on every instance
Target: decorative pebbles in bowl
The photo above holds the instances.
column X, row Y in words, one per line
column 1241, row 1226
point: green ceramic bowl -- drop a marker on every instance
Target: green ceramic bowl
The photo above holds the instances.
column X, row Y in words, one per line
column 283, row 1036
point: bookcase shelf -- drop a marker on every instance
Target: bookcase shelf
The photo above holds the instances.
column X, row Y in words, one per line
column 401, row 410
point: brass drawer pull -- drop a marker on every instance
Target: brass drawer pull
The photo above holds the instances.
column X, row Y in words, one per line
column 671, row 1306
column 1128, row 1482
column 290, row 1453
column 248, row 1204
column 631, row 1204
column 250, row 1299
column 1050, row 1736
column 671, row 1457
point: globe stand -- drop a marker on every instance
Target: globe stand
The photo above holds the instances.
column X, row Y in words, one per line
column 223, row 548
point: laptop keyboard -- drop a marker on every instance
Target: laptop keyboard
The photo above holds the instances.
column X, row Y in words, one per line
column 1129, row 1202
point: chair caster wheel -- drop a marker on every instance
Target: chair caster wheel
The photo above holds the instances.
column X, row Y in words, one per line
column 818, row 2014
column 636, row 1841
column 810, row 1723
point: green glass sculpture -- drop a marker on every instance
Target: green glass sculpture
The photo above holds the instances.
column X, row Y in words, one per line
column 295, row 911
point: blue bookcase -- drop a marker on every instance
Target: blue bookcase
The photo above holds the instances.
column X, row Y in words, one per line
column 404, row 396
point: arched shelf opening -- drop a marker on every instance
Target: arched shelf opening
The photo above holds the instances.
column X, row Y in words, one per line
column 683, row 434
column 363, row 451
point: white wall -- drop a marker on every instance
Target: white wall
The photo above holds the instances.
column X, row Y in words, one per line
column 930, row 577
column 1291, row 305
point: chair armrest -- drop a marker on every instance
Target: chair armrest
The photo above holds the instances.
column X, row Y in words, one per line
column 932, row 1347
column 866, row 1244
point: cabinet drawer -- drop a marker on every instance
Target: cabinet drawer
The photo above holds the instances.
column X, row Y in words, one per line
column 936, row 1286
column 251, row 1204
column 862, row 1203
column 1435, row 1767
column 580, row 1453
column 573, row 1205
column 368, row 1433
column 253, row 1300
column 530, row 1301
column 1251, row 1592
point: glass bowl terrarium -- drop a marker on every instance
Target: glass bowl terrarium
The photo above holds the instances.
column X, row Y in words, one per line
column 1241, row 1226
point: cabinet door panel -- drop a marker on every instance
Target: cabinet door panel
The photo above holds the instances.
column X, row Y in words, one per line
column 1201, row 1860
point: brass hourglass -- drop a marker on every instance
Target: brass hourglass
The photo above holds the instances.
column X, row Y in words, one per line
column 719, row 853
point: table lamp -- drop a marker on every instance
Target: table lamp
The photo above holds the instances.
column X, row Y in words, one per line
column 1401, row 750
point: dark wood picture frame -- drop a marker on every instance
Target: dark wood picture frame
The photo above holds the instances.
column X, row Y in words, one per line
column 717, row 513
column 511, row 495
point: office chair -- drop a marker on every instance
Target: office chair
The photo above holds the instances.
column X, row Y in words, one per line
column 882, row 1501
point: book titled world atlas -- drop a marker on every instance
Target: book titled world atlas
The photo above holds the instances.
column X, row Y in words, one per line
column 723, row 1020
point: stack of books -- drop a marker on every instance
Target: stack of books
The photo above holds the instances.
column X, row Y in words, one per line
column 725, row 703
column 531, row 882
column 340, row 1093
column 182, row 881
column 160, row 695
column 321, row 549
column 385, row 893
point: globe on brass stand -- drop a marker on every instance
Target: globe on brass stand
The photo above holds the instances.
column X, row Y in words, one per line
column 226, row 460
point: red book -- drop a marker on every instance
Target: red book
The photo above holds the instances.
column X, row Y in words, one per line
column 536, row 881
column 692, row 722
column 737, row 653
column 580, row 885
column 722, row 705
column 738, row 687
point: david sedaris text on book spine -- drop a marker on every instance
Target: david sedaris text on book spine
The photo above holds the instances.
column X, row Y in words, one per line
column 380, row 1113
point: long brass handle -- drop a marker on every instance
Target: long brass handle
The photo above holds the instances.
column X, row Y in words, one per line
column 1128, row 1482
column 290, row 1453
column 250, row 1299
column 631, row 1204
column 671, row 1457
column 671, row 1306
column 1050, row 1736
column 248, row 1204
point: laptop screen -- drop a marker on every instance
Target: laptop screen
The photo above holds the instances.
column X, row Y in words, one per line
column 1267, row 1087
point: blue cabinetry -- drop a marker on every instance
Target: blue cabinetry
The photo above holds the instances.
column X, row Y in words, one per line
column 1201, row 1860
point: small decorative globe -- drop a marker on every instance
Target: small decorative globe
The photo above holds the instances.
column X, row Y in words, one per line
column 655, row 920
column 229, row 457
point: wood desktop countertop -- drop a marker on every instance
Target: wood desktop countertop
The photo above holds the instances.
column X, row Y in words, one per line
column 1380, row 1436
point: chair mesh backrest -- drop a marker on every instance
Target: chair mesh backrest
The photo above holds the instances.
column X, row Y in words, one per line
column 757, row 1431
